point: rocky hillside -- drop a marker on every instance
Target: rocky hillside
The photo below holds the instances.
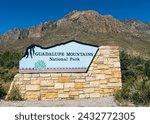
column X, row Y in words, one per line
column 140, row 26
column 87, row 26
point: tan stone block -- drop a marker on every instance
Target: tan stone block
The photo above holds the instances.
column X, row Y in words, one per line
column 94, row 95
column 35, row 81
column 96, row 71
column 74, row 93
column 117, row 59
column 32, row 87
column 103, row 81
column 115, row 69
column 59, row 85
column 117, row 64
column 107, row 72
column 81, row 92
column 106, row 53
column 27, row 75
column 99, row 62
column 107, row 90
column 102, row 86
column 60, row 91
column 26, row 82
column 100, row 76
column 47, row 83
column 35, row 75
column 88, row 90
column 108, row 76
column 102, row 66
column 68, row 85
column 114, row 85
column 113, row 80
column 85, row 74
column 94, row 65
column 90, row 78
column 94, row 84
column 110, row 61
column 67, row 90
column 79, row 80
column 55, row 80
column 26, row 79
column 44, row 88
column 116, row 74
column 45, row 75
column 105, row 61
column 32, row 95
column 82, row 96
column 78, row 85
column 51, row 95
column 64, row 79
column 66, row 74
column 75, row 97
column 18, row 76
column 96, row 89
column 63, row 95
column 86, row 85
column 51, row 88
column 55, row 75
column 43, row 91
column 76, row 75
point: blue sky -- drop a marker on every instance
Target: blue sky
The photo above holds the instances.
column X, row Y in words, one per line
column 27, row 13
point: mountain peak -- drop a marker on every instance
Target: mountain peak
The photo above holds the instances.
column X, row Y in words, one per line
column 76, row 13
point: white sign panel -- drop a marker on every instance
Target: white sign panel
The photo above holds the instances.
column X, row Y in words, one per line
column 72, row 56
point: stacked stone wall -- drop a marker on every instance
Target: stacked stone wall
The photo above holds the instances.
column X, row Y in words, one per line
column 102, row 79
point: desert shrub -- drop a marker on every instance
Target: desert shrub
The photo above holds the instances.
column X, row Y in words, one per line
column 147, row 69
column 135, row 82
column 15, row 94
column 3, row 92
column 9, row 59
column 9, row 62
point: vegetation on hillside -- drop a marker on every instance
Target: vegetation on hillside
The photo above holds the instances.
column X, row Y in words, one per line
column 135, row 79
column 9, row 62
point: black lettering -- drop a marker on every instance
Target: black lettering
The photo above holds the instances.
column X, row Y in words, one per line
column 67, row 116
column 16, row 117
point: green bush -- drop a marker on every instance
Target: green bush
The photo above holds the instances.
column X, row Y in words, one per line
column 147, row 69
column 136, row 85
column 2, row 91
column 9, row 63
column 15, row 94
column 9, row 59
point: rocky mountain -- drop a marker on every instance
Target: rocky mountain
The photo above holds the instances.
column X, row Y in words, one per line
column 140, row 26
column 87, row 26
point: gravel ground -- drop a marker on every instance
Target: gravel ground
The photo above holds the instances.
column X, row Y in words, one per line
column 96, row 102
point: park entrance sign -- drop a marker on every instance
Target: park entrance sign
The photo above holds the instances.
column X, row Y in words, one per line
column 70, row 70
column 71, row 56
